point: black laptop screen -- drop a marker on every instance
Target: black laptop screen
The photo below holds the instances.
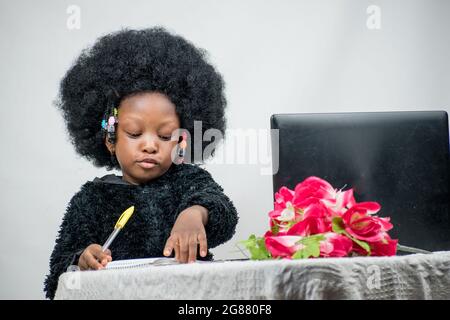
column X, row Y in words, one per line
column 398, row 159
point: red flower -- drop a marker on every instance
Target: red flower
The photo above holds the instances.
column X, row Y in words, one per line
column 283, row 211
column 384, row 247
column 313, row 190
column 335, row 245
column 315, row 220
column 282, row 197
column 343, row 201
column 361, row 225
column 282, row 246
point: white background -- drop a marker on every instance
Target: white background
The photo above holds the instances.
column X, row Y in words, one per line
column 275, row 56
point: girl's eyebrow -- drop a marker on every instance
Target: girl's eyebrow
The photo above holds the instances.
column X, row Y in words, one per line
column 138, row 120
column 170, row 121
column 132, row 118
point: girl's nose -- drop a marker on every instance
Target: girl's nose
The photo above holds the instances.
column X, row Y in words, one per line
column 150, row 144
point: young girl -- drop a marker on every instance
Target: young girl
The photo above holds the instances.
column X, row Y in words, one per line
column 125, row 101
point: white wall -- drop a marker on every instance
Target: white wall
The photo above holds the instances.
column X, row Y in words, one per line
column 276, row 56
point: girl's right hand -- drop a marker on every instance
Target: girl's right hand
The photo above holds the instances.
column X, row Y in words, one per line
column 93, row 258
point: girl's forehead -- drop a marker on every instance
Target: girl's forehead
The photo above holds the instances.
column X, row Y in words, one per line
column 148, row 107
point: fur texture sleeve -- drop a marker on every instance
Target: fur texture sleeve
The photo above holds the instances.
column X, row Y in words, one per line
column 197, row 187
column 76, row 232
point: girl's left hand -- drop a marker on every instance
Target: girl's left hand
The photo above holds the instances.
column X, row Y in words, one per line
column 187, row 234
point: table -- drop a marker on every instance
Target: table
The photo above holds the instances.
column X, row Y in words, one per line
column 416, row 276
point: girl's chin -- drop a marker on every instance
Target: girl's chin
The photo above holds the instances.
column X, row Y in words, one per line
column 140, row 178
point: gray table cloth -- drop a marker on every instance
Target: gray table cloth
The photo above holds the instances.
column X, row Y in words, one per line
column 416, row 276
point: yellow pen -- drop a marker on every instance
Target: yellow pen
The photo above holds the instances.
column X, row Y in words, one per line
column 119, row 225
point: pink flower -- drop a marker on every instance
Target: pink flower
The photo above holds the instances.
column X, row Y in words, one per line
column 315, row 220
column 335, row 245
column 343, row 201
column 362, row 226
column 283, row 214
column 282, row 246
column 282, row 197
column 283, row 208
column 315, row 208
column 384, row 247
column 312, row 190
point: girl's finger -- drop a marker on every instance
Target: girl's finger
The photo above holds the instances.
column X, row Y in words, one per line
column 104, row 258
column 203, row 244
column 193, row 244
column 184, row 249
column 108, row 252
column 82, row 263
column 98, row 253
column 177, row 249
column 92, row 262
column 170, row 245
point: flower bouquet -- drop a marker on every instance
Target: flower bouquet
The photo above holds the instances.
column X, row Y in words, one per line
column 316, row 220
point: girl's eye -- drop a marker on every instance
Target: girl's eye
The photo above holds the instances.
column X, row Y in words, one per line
column 133, row 135
column 165, row 138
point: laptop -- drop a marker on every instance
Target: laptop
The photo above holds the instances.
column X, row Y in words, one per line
column 398, row 159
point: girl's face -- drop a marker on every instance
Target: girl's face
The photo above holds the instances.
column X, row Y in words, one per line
column 144, row 139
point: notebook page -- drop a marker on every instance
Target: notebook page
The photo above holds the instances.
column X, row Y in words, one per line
column 135, row 263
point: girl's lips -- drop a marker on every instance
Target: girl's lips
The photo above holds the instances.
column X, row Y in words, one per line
column 146, row 165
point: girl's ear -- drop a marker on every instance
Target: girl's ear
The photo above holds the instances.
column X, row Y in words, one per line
column 109, row 145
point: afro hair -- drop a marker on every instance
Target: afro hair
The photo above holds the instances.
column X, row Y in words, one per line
column 128, row 62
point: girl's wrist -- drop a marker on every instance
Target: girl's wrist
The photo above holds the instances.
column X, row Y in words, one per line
column 197, row 211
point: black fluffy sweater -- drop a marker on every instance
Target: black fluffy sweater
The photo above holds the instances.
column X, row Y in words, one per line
column 94, row 210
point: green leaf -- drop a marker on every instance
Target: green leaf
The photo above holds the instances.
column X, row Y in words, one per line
column 275, row 228
column 250, row 240
column 257, row 248
column 361, row 243
column 289, row 224
column 311, row 247
column 337, row 225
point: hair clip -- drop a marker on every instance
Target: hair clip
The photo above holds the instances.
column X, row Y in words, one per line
column 110, row 125
column 112, row 120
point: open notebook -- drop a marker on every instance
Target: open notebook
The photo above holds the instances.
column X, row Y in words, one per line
column 136, row 263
